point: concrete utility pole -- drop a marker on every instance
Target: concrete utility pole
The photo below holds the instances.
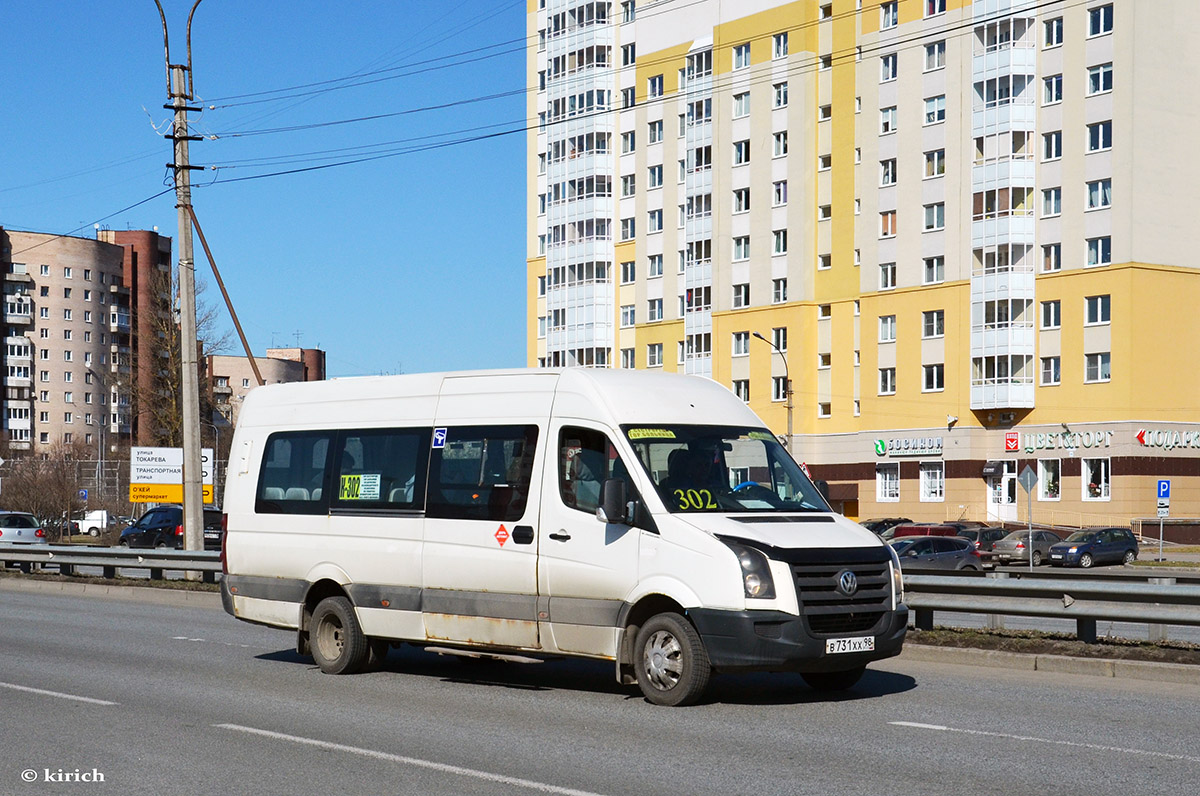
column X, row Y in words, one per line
column 179, row 91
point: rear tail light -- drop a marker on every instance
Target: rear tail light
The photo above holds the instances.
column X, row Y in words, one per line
column 40, row 533
column 1, row 533
column 224, row 541
column 179, row 530
column 1020, row 545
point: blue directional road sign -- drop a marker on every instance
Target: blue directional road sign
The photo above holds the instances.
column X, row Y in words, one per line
column 1164, row 489
column 83, row 494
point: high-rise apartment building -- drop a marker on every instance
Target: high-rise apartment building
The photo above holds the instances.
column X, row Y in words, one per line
column 954, row 236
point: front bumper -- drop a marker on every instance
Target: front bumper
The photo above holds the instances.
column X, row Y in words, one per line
column 775, row 641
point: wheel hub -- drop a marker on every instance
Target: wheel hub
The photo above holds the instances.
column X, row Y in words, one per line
column 663, row 660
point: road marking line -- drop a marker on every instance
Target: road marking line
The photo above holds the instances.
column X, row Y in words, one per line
column 1034, row 739
column 411, row 761
column 56, row 694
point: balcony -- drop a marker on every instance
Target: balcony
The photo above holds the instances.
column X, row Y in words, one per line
column 118, row 322
column 18, row 312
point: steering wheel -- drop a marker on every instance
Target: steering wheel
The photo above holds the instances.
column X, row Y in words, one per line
column 745, row 485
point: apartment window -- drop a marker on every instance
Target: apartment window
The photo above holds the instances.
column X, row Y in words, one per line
column 628, row 97
column 741, row 152
column 1099, row 251
column 627, row 315
column 628, row 273
column 935, row 163
column 741, row 247
column 824, row 212
column 541, row 287
column 824, row 262
column 779, row 286
column 1100, row 79
column 935, row 216
column 781, row 95
column 887, row 120
column 1051, row 314
column 654, row 132
column 779, row 45
column 933, row 323
column 824, row 113
column 1052, row 257
column 1099, row 195
column 628, row 11
column 741, row 200
column 887, row 67
column 887, row 483
column 1052, row 89
column 780, row 243
column 934, row 378
column 1051, row 371
column 1053, row 32
column 826, row 62
column 1100, row 21
column 826, row 11
column 933, row 482
column 824, row 361
column 1097, row 310
column 887, row 172
column 1100, row 136
column 934, row 7
column 887, row 224
column 779, row 338
column 887, row 276
column 779, row 193
column 1052, row 145
column 778, row 388
column 69, row 397
column 741, row 105
column 1051, row 201
column 628, row 142
column 825, row 311
column 741, row 295
column 654, row 221
column 627, row 358
column 741, row 344
column 741, row 388
column 935, row 270
column 654, row 310
column 628, row 228
column 780, row 144
column 888, row 17
column 887, row 381
column 541, row 334
column 654, row 87
column 67, row 272
column 654, row 265
column 66, row 315
column 935, row 55
column 824, row 410
column 935, row 109
column 654, row 357
column 887, row 328
column 1097, row 368
column 741, row 56
column 654, row 176
column 628, row 54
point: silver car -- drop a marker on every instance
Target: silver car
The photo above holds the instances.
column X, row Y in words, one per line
column 936, row 552
column 1014, row 548
column 18, row 527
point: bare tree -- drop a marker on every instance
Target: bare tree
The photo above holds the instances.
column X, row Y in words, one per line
column 47, row 486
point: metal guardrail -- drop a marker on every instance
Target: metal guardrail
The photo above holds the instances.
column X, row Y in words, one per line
column 1162, row 600
column 67, row 557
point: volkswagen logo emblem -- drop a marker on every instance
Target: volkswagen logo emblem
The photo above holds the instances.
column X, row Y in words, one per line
column 847, row 582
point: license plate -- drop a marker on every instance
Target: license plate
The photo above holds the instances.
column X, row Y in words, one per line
column 861, row 644
column 1056, row 555
column 211, row 534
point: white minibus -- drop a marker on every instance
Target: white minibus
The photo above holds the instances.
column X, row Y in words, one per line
column 644, row 518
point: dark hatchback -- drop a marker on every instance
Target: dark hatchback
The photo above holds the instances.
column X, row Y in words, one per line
column 162, row 526
column 1095, row 546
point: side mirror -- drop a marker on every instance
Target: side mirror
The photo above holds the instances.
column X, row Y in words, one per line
column 822, row 487
column 613, row 504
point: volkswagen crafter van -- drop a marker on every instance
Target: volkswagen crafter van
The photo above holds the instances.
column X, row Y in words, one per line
column 649, row 519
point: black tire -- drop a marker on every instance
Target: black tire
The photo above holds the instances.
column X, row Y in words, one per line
column 161, row 545
column 1086, row 561
column 1130, row 557
column 93, row 532
column 1037, row 558
column 337, row 641
column 672, row 665
column 833, row 681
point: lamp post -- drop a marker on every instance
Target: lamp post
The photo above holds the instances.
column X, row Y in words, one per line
column 787, row 387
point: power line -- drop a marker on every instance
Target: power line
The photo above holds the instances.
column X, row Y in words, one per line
column 92, row 224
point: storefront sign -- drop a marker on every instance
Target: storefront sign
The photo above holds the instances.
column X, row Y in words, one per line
column 1068, row 440
column 909, row 446
column 1167, row 439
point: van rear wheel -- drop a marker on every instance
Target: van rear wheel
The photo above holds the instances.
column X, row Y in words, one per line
column 672, row 665
column 337, row 640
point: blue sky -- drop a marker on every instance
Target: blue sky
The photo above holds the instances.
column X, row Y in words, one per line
column 413, row 262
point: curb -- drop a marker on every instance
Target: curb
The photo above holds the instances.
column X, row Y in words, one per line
column 144, row 594
column 1180, row 673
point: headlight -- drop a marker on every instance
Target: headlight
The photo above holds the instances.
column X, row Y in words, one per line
column 756, row 572
column 897, row 575
column 1073, row 549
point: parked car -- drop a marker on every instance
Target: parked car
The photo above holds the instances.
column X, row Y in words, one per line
column 1014, row 548
column 18, row 527
column 920, row 529
column 936, row 553
column 162, row 526
column 878, row 525
column 984, row 538
column 1095, row 546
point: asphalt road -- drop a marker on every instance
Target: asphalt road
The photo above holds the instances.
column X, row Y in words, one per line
column 167, row 698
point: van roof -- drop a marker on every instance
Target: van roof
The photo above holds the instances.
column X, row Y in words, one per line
column 615, row 396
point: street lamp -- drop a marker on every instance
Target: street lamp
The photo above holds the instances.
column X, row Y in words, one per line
column 787, row 386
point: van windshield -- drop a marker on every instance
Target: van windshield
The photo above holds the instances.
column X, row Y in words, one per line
column 722, row 469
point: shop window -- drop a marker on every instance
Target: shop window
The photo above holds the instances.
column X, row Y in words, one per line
column 1049, row 479
column 887, row 483
column 1096, row 479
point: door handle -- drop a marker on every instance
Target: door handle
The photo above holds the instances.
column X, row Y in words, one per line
column 522, row 534
column 561, row 536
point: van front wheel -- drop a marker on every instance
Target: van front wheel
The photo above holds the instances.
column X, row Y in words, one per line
column 672, row 665
column 338, row 643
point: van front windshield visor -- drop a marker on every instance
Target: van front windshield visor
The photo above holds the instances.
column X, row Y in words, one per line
column 722, row 469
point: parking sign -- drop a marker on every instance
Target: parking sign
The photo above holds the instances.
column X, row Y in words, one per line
column 1164, row 489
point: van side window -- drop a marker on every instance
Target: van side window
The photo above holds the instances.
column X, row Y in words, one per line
column 586, row 459
column 292, row 478
column 381, row 469
column 482, row 473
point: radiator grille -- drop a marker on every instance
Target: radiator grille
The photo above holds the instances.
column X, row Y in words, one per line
column 828, row 611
